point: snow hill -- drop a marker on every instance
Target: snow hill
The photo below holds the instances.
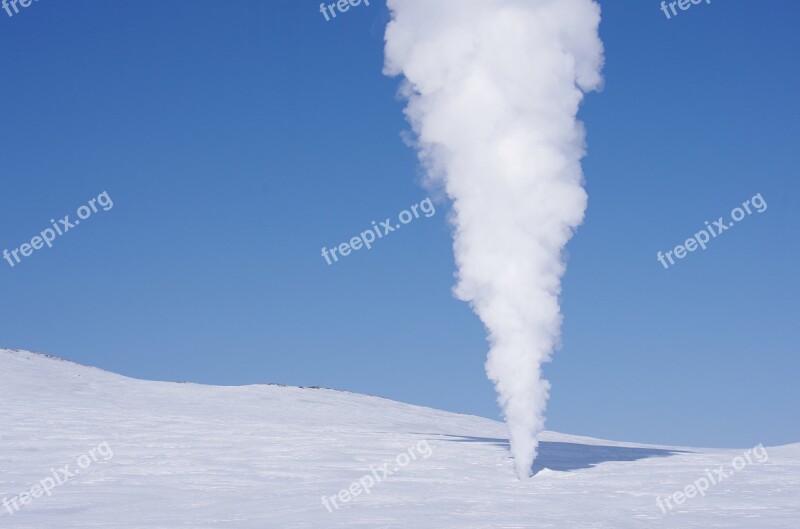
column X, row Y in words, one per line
column 147, row 454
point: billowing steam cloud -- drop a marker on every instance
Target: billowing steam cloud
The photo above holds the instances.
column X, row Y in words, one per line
column 493, row 88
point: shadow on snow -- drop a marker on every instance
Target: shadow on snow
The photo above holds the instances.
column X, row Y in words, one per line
column 571, row 456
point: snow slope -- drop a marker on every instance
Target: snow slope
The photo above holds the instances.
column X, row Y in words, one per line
column 263, row 456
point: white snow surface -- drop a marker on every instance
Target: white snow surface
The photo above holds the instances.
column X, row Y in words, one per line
column 263, row 456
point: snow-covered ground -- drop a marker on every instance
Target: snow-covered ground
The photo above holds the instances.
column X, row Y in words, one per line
column 169, row 455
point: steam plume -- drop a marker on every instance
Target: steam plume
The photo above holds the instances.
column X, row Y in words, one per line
column 493, row 88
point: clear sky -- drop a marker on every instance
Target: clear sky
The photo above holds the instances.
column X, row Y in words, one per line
column 237, row 139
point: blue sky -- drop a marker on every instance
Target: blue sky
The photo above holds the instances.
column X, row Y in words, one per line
column 237, row 140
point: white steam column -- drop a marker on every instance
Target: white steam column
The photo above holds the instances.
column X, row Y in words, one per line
column 493, row 89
